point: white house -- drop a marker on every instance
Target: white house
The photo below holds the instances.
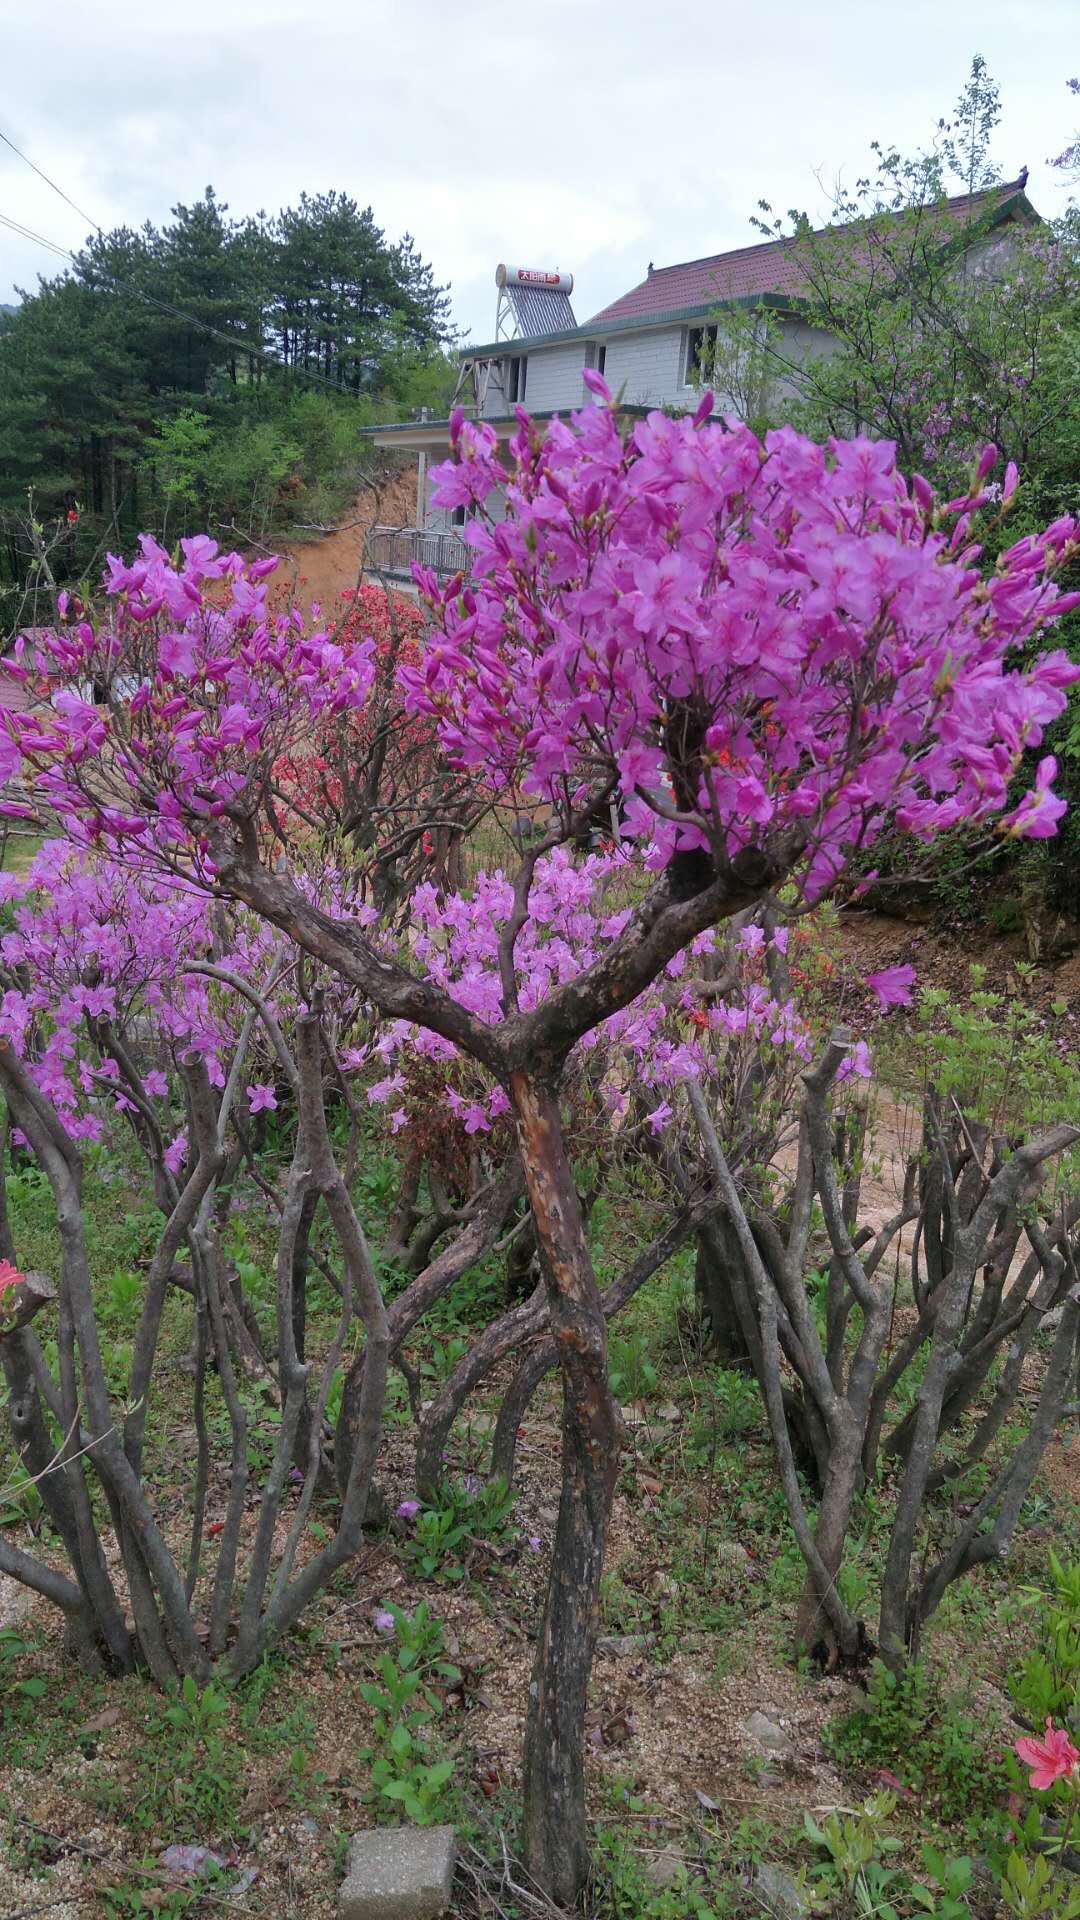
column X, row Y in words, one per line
column 650, row 345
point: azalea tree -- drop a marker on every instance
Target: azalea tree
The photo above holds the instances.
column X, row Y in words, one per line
column 758, row 655
column 131, row 1000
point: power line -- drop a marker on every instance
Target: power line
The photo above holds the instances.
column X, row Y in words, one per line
column 81, row 211
column 75, row 208
column 29, row 234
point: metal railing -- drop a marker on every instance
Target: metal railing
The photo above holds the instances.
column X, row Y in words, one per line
column 396, row 550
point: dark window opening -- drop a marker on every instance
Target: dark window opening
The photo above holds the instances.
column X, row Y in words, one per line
column 700, row 354
column 517, row 371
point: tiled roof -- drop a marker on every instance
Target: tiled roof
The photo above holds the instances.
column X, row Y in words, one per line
column 768, row 268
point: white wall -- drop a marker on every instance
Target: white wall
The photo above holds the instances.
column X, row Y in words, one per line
column 554, row 381
column 649, row 364
column 647, row 368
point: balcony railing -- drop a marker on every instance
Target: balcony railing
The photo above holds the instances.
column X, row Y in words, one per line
column 396, row 550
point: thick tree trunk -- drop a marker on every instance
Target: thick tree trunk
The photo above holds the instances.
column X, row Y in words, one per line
column 554, row 1832
column 727, row 1338
column 815, row 1632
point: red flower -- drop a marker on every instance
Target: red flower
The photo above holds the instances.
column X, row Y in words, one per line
column 1052, row 1758
column 9, row 1276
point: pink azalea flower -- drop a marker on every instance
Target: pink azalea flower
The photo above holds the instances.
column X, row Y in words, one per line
column 856, row 1062
column 382, row 1090
column 408, row 1509
column 1052, row 1758
column 892, row 986
column 176, row 1152
column 176, row 653
column 261, row 1099
column 1040, row 810
column 659, row 1117
column 9, row 1276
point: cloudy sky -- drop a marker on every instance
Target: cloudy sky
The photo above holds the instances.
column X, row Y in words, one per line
column 584, row 134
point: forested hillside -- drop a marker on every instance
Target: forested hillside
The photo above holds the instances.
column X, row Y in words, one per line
column 210, row 374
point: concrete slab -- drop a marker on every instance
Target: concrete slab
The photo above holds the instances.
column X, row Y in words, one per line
column 398, row 1873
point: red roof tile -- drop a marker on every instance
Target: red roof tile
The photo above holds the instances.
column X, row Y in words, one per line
column 768, row 268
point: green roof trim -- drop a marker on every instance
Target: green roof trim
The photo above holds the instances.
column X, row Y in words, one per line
column 635, row 323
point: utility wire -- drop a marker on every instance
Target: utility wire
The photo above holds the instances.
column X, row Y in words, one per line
column 29, row 234
column 81, row 211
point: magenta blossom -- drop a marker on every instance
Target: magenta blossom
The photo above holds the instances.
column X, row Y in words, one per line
column 261, row 1098
column 690, row 566
column 1040, row 810
column 176, row 1153
column 1052, row 1758
column 850, row 666
column 408, row 1509
column 892, row 986
column 857, row 1062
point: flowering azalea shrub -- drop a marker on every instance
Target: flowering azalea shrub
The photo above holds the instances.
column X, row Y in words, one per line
column 144, row 1005
column 696, row 569
column 681, row 1027
column 756, row 657
column 211, row 684
column 101, row 949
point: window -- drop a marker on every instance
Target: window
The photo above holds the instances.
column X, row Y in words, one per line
column 601, row 357
column 516, row 374
column 700, row 355
column 596, row 354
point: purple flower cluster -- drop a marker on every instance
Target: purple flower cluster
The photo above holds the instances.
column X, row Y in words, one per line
column 847, row 663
